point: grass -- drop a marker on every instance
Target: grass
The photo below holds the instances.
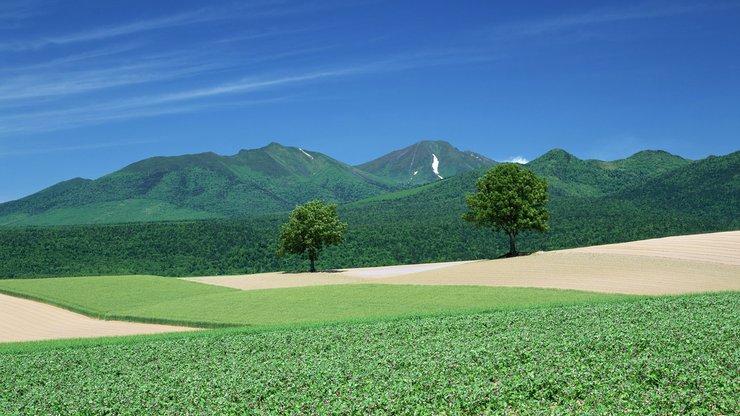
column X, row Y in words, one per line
column 172, row 301
column 663, row 355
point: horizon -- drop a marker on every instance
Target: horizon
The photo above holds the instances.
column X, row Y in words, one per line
column 87, row 88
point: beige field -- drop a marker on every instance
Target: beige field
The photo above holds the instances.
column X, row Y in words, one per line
column 673, row 265
column 26, row 320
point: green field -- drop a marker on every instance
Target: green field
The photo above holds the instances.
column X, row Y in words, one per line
column 167, row 300
column 665, row 355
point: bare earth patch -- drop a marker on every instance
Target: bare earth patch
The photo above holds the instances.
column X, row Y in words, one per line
column 278, row 280
column 723, row 248
column 673, row 265
column 26, row 320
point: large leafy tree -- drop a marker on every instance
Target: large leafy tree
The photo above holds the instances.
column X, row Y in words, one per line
column 509, row 199
column 311, row 227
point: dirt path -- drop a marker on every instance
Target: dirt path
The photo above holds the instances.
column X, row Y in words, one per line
column 673, row 265
column 280, row 280
column 26, row 320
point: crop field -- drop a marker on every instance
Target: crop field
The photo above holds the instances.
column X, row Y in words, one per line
column 664, row 266
column 172, row 301
column 663, row 355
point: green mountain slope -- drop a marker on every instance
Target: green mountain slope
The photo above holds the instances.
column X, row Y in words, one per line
column 596, row 217
column 424, row 162
column 271, row 179
column 569, row 175
column 416, row 225
column 708, row 189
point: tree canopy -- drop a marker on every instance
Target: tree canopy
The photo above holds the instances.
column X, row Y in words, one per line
column 311, row 227
column 509, row 199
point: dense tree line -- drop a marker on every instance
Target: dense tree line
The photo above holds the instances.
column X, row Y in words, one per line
column 397, row 234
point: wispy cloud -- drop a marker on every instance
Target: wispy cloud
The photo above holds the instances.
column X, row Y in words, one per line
column 185, row 101
column 241, row 86
column 182, row 19
column 65, row 61
column 59, row 93
column 250, row 10
column 641, row 11
column 77, row 81
column 74, row 118
column 12, row 11
column 101, row 33
column 70, row 148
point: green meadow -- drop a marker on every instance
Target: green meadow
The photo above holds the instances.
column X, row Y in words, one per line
column 173, row 301
column 660, row 355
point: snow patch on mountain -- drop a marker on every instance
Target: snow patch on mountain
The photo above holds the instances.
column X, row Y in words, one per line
column 435, row 166
column 304, row 152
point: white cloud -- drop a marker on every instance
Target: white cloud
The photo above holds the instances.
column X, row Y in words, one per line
column 517, row 159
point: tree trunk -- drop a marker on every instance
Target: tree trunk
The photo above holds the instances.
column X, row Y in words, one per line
column 512, row 245
column 313, row 264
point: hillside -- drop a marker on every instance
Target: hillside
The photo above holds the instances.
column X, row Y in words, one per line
column 708, row 189
column 424, row 162
column 569, row 175
column 270, row 179
column 417, row 225
column 275, row 178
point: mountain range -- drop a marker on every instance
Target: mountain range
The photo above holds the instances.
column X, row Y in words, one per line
column 647, row 195
column 273, row 178
column 276, row 178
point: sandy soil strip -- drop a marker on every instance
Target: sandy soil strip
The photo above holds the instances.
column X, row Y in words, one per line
column 610, row 273
column 26, row 320
column 595, row 272
column 277, row 280
column 388, row 271
column 673, row 265
column 721, row 248
column 280, row 280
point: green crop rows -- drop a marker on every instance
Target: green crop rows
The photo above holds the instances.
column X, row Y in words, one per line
column 672, row 355
column 173, row 301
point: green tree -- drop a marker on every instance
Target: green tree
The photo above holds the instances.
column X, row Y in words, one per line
column 509, row 199
column 311, row 227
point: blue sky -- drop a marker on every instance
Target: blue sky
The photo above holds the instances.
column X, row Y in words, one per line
column 87, row 87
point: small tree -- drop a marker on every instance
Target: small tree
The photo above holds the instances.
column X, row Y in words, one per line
column 509, row 199
column 311, row 227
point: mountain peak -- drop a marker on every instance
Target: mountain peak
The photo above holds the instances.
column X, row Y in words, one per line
column 653, row 154
column 425, row 161
column 433, row 143
column 558, row 153
column 274, row 145
column 651, row 162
